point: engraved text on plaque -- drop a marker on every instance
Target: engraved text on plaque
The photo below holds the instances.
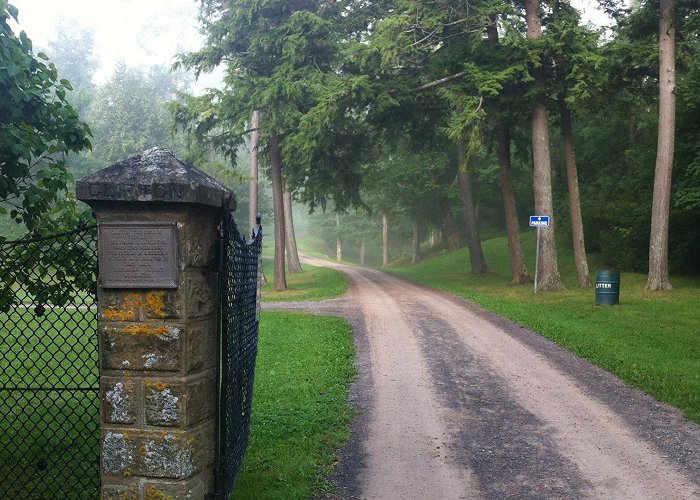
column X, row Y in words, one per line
column 138, row 255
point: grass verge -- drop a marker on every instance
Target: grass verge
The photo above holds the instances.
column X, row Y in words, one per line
column 300, row 410
column 314, row 283
column 651, row 340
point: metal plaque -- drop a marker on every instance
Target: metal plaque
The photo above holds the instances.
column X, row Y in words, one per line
column 138, row 255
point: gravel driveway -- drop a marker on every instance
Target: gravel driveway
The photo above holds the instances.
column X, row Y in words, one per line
column 455, row 402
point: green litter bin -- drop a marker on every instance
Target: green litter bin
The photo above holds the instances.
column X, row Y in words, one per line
column 607, row 288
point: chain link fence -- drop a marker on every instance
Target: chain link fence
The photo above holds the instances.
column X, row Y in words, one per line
column 239, row 302
column 49, row 380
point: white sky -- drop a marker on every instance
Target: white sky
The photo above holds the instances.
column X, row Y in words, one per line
column 138, row 32
column 143, row 32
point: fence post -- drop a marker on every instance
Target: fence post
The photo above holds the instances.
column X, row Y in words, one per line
column 157, row 324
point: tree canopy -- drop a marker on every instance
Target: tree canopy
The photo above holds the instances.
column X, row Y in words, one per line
column 351, row 87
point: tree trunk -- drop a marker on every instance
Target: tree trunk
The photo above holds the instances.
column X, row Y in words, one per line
column 253, row 189
column 362, row 252
column 582, row 274
column 549, row 278
column 385, row 238
column 471, row 226
column 517, row 258
column 448, row 230
column 415, row 244
column 293, row 263
column 515, row 248
column 660, row 210
column 280, row 281
column 338, row 243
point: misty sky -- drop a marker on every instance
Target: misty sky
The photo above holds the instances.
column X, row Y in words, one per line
column 138, row 32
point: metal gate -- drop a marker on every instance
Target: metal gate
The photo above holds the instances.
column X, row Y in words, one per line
column 239, row 301
column 49, row 380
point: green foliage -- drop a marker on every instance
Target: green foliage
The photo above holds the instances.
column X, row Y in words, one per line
column 409, row 181
column 38, row 128
column 300, row 411
column 52, row 271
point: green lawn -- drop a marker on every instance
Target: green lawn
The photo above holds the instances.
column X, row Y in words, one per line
column 300, row 412
column 651, row 340
column 49, row 439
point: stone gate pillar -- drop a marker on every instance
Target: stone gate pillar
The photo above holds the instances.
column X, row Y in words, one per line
column 157, row 323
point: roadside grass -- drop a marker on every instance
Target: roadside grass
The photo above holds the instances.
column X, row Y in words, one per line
column 651, row 340
column 300, row 410
column 313, row 283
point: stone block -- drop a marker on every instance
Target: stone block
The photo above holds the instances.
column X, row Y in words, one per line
column 120, row 400
column 155, row 176
column 198, row 244
column 201, row 399
column 157, row 453
column 168, row 454
column 178, row 402
column 165, row 402
column 119, row 452
column 120, row 492
column 201, row 289
column 201, row 346
column 161, row 304
column 141, row 346
column 195, row 488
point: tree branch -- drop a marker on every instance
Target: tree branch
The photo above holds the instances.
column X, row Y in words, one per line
column 434, row 83
column 414, row 44
column 440, row 82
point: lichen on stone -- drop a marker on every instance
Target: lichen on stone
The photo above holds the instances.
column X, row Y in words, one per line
column 124, row 310
column 117, row 454
column 151, row 360
column 155, row 302
column 153, row 493
column 119, row 400
column 168, row 457
column 163, row 404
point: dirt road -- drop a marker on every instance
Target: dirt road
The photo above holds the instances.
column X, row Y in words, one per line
column 458, row 403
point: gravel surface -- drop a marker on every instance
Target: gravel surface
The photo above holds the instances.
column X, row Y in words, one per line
column 455, row 402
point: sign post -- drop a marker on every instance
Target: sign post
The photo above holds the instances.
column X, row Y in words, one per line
column 538, row 221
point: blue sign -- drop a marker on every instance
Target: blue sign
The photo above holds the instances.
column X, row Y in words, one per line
column 539, row 221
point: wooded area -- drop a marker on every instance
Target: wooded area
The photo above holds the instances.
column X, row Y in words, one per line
column 410, row 121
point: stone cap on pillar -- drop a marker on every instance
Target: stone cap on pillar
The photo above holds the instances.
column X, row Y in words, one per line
column 156, row 175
